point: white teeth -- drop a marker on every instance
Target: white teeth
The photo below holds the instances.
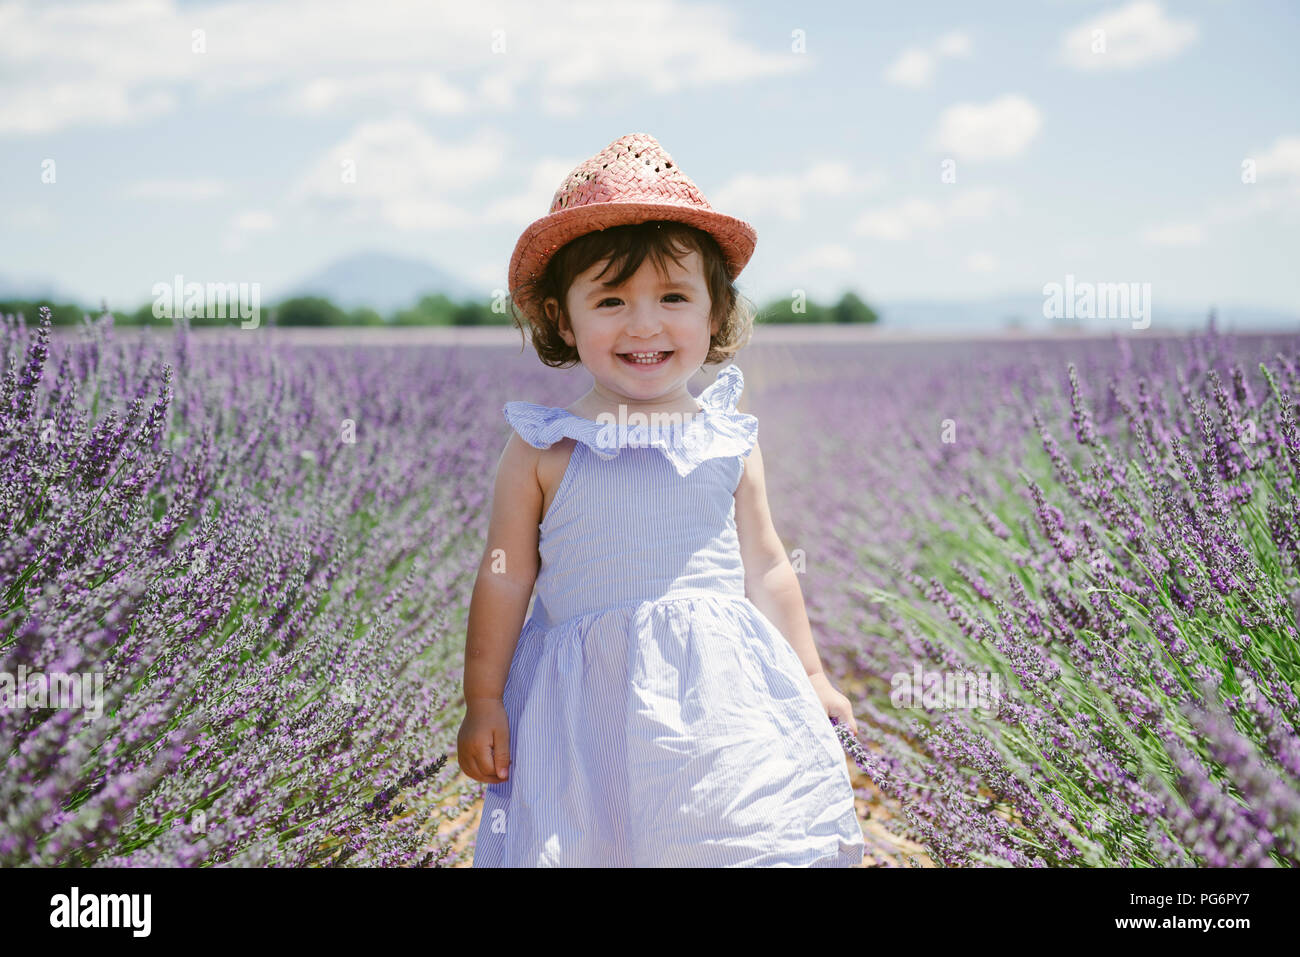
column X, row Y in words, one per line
column 646, row 358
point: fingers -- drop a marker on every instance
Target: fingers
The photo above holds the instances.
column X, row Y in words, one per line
column 489, row 761
column 501, row 752
column 483, row 748
column 476, row 762
column 848, row 717
column 844, row 715
column 485, row 762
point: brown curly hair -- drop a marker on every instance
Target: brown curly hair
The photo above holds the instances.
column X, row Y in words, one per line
column 626, row 247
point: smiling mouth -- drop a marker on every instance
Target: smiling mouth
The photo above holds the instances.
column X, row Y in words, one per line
column 645, row 358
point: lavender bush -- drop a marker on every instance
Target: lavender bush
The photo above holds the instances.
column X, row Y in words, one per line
column 267, row 553
column 261, row 554
column 1123, row 559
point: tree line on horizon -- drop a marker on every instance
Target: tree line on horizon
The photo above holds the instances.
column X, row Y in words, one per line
column 433, row 310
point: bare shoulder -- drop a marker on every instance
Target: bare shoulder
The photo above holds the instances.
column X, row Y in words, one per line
column 516, row 503
column 760, row 546
column 517, row 475
column 518, row 456
column 530, row 477
column 751, row 473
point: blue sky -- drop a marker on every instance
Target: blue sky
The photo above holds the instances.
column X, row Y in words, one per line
column 1102, row 140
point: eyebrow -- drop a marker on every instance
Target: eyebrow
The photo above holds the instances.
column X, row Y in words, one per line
column 602, row 291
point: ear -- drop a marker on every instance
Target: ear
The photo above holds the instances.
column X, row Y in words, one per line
column 556, row 315
column 714, row 325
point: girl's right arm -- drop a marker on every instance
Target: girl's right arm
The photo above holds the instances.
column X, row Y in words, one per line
column 506, row 575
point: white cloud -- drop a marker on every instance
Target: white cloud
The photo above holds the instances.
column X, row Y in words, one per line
column 999, row 129
column 981, row 262
column 1276, row 187
column 254, row 220
column 900, row 220
column 1275, row 192
column 394, row 172
column 427, row 91
column 1256, row 201
column 489, row 276
column 242, row 225
column 953, row 44
column 917, row 215
column 534, row 201
column 829, row 257
column 182, row 190
column 1281, row 161
column 1129, row 37
column 784, row 195
column 915, row 66
column 47, row 107
column 560, row 104
column 1280, row 201
column 121, row 61
column 974, row 203
column 745, row 195
column 1174, row 234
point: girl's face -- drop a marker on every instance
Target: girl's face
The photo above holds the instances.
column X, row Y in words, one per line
column 649, row 313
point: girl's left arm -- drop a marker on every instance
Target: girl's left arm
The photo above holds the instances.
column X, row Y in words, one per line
column 772, row 585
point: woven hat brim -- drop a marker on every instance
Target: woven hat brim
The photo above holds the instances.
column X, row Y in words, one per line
column 545, row 236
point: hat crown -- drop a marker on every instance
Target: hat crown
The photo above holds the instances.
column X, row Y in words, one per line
column 634, row 168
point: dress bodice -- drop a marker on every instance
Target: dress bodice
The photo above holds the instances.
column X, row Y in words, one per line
column 646, row 509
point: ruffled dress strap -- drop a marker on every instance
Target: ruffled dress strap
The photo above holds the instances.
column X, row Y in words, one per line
column 716, row 431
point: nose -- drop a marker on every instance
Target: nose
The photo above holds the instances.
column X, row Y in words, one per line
column 645, row 320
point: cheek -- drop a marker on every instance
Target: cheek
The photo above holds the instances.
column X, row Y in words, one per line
column 597, row 337
column 693, row 325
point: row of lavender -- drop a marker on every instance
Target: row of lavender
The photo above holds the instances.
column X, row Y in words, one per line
column 261, row 554
column 1107, row 532
column 267, row 553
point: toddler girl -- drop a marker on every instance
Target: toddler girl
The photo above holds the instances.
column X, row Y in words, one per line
column 650, row 711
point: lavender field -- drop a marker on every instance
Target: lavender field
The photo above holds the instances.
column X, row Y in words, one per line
column 265, row 551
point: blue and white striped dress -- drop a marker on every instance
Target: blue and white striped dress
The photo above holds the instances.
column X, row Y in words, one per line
column 657, row 717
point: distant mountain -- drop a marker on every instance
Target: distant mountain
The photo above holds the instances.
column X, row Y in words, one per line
column 382, row 281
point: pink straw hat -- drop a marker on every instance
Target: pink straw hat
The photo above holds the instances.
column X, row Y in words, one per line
column 632, row 180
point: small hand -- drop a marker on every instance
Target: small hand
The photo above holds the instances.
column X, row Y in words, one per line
column 483, row 744
column 837, row 706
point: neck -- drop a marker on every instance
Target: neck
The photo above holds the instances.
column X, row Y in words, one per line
column 600, row 400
